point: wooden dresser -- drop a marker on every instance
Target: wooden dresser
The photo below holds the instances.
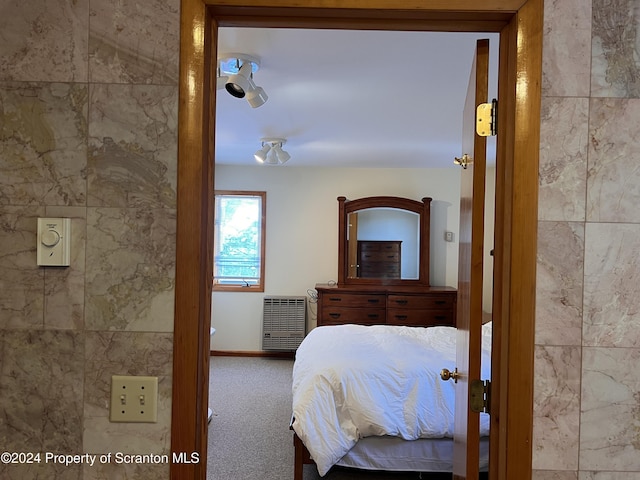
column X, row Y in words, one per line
column 390, row 305
column 379, row 259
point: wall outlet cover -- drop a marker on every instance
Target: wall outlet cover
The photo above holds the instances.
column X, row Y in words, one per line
column 134, row 399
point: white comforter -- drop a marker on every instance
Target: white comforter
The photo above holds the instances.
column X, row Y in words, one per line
column 353, row 381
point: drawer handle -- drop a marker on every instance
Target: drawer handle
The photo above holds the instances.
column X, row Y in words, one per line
column 373, row 315
column 440, row 317
column 402, row 302
column 391, row 256
column 335, row 299
column 401, row 317
column 334, row 315
column 440, row 302
column 373, row 300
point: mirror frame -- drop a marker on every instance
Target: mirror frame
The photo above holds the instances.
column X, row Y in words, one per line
column 423, row 209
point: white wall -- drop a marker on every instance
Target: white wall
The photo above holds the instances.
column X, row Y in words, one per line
column 302, row 230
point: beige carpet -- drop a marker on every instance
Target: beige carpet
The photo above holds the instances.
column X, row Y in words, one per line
column 249, row 436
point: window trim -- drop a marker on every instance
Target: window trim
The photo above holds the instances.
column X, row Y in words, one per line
column 216, row 287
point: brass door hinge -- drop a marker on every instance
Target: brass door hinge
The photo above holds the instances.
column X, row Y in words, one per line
column 479, row 395
column 487, row 119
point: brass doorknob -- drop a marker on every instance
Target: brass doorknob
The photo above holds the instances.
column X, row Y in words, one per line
column 445, row 375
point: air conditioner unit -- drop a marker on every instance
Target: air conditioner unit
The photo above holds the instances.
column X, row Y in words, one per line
column 283, row 322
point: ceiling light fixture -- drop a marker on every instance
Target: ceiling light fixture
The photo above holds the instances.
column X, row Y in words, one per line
column 271, row 152
column 261, row 155
column 235, row 74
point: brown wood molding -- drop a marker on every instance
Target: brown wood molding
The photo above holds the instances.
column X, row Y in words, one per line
column 520, row 24
column 194, row 251
column 359, row 19
column 446, row 6
column 243, row 353
column 523, row 237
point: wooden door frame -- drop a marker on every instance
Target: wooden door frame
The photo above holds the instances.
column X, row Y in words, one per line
column 520, row 25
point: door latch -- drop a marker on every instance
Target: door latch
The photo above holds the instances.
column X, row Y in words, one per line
column 464, row 161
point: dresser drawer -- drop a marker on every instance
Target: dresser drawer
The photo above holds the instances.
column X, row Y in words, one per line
column 380, row 270
column 420, row 317
column 361, row 316
column 393, row 305
column 438, row 302
column 350, row 300
column 381, row 257
column 379, row 246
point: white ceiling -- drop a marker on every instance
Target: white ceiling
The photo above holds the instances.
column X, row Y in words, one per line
column 351, row 98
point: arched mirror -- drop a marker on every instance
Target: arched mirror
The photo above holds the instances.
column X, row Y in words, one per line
column 383, row 240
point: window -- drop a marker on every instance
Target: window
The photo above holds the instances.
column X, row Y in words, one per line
column 239, row 227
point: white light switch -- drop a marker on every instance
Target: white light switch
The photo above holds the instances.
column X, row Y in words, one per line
column 54, row 242
column 134, row 399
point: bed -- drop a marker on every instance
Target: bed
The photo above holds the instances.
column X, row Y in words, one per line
column 371, row 397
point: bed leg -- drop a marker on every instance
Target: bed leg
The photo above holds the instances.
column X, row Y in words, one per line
column 298, row 462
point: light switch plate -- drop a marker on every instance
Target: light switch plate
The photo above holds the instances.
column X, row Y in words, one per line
column 54, row 242
column 134, row 399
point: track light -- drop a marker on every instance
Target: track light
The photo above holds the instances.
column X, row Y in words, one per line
column 238, row 83
column 256, row 96
column 235, row 74
column 261, row 155
column 281, row 154
column 221, row 80
column 271, row 152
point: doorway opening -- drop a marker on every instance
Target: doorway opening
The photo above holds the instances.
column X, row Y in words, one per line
column 515, row 238
column 293, row 61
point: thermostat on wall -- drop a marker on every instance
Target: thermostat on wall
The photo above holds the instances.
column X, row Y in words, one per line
column 54, row 242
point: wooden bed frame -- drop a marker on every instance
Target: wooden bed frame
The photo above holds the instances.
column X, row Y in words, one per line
column 302, row 456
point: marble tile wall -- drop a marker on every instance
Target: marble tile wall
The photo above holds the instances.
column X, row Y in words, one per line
column 88, row 131
column 587, row 385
